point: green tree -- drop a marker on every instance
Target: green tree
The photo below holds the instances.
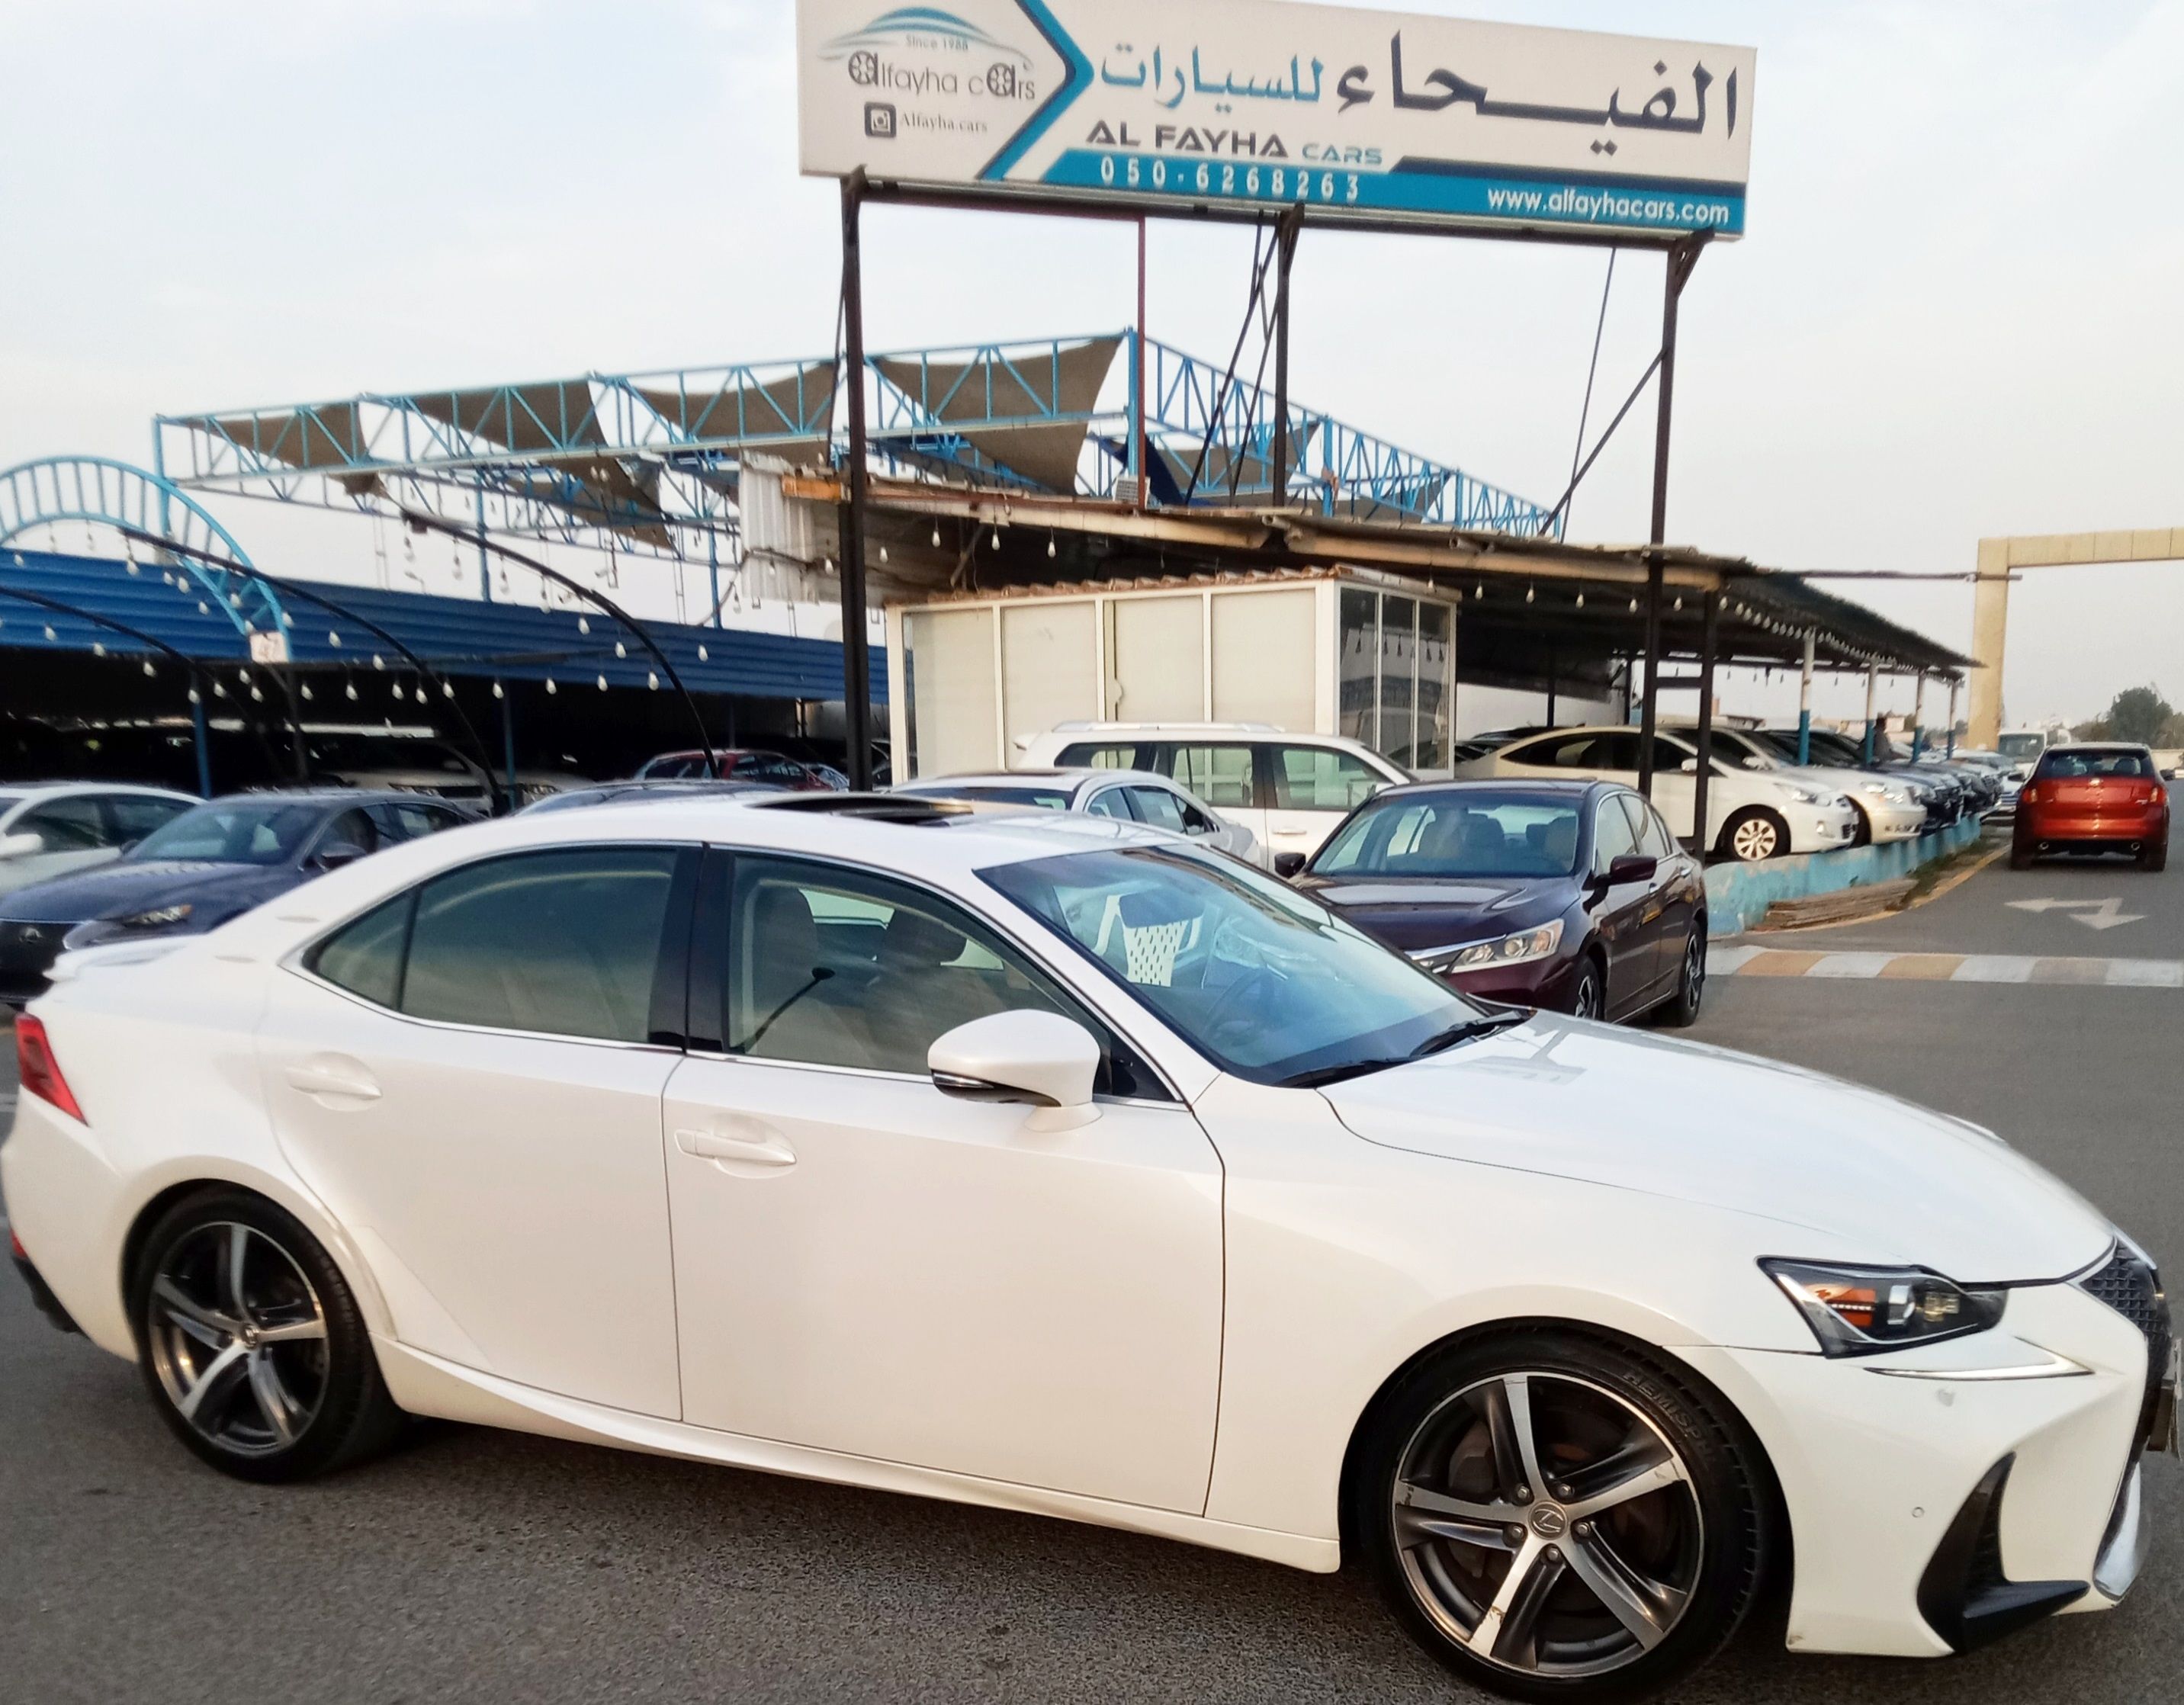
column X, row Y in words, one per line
column 2139, row 714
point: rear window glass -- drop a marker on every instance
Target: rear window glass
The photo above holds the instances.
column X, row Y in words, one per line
column 2065, row 766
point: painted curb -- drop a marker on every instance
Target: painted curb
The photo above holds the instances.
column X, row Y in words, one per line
column 1739, row 894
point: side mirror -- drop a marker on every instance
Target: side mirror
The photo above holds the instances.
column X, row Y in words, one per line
column 1036, row 1058
column 334, row 857
column 1632, row 867
column 21, row 844
column 1290, row 865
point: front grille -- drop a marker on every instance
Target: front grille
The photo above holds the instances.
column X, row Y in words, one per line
column 2129, row 1285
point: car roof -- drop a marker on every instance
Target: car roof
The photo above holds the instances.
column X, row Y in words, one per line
column 1070, row 778
column 45, row 790
column 2097, row 746
column 1545, row 787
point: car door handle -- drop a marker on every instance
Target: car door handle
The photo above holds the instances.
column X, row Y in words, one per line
column 334, row 1082
column 766, row 1151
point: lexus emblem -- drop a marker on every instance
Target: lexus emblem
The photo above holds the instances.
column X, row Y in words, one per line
column 31, row 933
column 1549, row 1522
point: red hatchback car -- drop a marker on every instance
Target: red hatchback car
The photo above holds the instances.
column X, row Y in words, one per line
column 2093, row 799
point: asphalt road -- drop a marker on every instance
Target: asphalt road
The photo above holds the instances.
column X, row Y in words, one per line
column 481, row 1566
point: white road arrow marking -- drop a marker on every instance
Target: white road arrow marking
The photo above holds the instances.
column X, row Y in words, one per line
column 2094, row 914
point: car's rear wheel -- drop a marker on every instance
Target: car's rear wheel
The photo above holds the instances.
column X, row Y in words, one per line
column 2021, row 855
column 252, row 1343
column 1557, row 1517
column 1753, row 835
column 1681, row 1009
column 2154, row 855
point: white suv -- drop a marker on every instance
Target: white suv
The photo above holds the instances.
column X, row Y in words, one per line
column 1749, row 815
column 1290, row 790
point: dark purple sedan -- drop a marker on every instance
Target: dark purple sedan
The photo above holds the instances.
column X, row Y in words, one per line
column 1571, row 895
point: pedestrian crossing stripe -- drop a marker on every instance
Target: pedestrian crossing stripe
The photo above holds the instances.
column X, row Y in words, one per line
column 1948, row 967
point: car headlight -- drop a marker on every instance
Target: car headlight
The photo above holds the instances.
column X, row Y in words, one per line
column 1520, row 949
column 1893, row 795
column 1862, row 1311
column 159, row 917
column 1807, row 796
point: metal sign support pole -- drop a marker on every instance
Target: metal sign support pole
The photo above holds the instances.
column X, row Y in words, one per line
column 1682, row 257
column 1805, row 701
column 1277, row 461
column 1140, row 446
column 1709, row 643
column 856, row 665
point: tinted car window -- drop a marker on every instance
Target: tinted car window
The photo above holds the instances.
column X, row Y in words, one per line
column 1032, row 798
column 352, row 833
column 69, row 825
column 1654, row 840
column 1109, row 802
column 1159, row 807
column 133, row 816
column 365, row 957
column 1615, row 751
column 1613, row 836
column 1219, row 775
column 2064, row 765
column 1090, row 756
column 1316, row 778
column 566, row 943
column 832, row 966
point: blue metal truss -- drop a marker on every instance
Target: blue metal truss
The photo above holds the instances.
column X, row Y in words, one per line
column 652, row 461
column 143, row 507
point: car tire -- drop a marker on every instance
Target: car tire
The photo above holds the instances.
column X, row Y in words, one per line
column 1440, row 1501
column 252, row 1343
column 1862, row 836
column 1588, row 991
column 2155, row 857
column 1680, row 1010
column 2021, row 857
column 1753, row 836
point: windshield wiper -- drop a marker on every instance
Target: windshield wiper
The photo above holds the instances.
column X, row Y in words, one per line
column 1469, row 1030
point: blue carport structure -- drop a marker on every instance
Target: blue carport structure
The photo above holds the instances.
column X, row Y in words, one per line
column 180, row 623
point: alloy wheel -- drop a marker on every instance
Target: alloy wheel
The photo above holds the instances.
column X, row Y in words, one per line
column 237, row 1338
column 1694, row 972
column 1547, row 1526
column 1754, row 840
column 1587, row 1002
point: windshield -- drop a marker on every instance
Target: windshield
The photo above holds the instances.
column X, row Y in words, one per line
column 234, row 832
column 2022, row 745
column 1039, row 799
column 1264, row 981
column 1465, row 831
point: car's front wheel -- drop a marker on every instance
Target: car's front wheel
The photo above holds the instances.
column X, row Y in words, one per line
column 1754, row 835
column 1558, row 1517
column 252, row 1343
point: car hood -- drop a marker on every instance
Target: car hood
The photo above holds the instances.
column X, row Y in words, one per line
column 129, row 886
column 1848, row 1173
column 1444, row 912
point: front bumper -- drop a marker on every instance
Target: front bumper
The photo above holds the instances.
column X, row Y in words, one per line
column 1878, row 1457
column 1821, row 828
column 1544, row 982
column 1893, row 822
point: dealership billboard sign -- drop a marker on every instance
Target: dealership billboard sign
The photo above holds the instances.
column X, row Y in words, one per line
column 1153, row 104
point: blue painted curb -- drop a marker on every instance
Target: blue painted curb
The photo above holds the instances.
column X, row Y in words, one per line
column 1739, row 894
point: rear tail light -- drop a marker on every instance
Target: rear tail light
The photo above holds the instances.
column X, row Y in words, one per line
column 39, row 1072
column 2030, row 796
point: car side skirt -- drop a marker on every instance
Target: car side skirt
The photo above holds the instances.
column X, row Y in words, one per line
column 425, row 1384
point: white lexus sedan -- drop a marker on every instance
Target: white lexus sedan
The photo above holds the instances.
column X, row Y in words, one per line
column 1056, row 1166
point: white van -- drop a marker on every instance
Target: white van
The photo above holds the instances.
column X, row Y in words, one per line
column 1290, row 790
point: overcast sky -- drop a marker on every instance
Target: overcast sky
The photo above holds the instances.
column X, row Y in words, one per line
column 1956, row 312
